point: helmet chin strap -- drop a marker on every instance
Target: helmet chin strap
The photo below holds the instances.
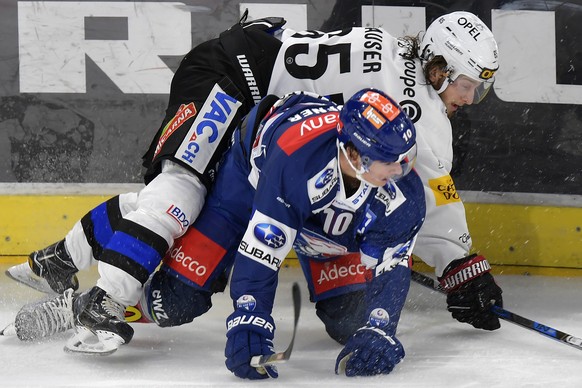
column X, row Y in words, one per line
column 359, row 171
column 445, row 84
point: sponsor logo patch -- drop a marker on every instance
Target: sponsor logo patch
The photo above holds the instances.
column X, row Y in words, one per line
column 487, row 73
column 133, row 314
column 185, row 259
column 208, row 129
column 297, row 135
column 391, row 197
column 177, row 214
column 381, row 104
column 267, row 241
column 444, row 190
column 373, row 117
column 270, row 235
column 247, row 302
column 157, row 308
column 324, row 178
column 184, row 113
column 323, row 182
column 344, row 271
column 379, row 318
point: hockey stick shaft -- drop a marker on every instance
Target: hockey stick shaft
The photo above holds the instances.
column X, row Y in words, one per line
column 509, row 316
column 258, row 361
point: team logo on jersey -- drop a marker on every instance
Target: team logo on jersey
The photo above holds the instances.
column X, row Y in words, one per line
column 246, row 302
column 207, row 130
column 401, row 255
column 317, row 246
column 323, row 182
column 444, row 190
column 184, row 113
column 301, row 133
column 379, row 318
column 270, row 235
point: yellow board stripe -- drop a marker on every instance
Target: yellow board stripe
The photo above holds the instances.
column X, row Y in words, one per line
column 520, row 235
column 508, row 235
column 30, row 222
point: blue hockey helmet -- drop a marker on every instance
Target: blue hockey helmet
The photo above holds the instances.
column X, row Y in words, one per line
column 379, row 129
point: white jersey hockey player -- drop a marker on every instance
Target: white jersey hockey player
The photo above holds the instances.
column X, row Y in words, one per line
column 338, row 64
column 453, row 65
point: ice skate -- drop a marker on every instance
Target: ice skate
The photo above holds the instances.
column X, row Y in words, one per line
column 100, row 324
column 54, row 264
column 45, row 318
column 23, row 273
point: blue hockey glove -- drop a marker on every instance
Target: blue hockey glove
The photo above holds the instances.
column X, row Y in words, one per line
column 471, row 291
column 249, row 334
column 370, row 351
column 373, row 349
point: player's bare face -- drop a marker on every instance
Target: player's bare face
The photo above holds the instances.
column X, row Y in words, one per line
column 459, row 93
column 379, row 173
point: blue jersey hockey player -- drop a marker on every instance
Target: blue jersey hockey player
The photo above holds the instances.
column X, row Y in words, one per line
column 333, row 184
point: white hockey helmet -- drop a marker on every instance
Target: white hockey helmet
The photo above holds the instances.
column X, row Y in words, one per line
column 467, row 45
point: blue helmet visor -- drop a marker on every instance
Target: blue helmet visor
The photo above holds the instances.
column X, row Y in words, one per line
column 406, row 161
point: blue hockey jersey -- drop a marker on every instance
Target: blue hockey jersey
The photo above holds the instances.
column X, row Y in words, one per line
column 299, row 199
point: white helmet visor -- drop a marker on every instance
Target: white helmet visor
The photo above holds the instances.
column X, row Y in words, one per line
column 471, row 90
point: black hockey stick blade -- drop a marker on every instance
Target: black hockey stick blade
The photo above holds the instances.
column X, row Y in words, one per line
column 259, row 361
column 548, row 331
column 509, row 316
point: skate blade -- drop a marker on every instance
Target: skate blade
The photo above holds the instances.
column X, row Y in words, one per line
column 23, row 274
column 84, row 341
column 9, row 330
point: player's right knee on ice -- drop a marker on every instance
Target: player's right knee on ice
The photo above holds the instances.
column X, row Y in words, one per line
column 172, row 302
column 343, row 315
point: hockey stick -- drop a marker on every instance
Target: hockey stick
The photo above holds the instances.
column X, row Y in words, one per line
column 259, row 361
column 508, row 316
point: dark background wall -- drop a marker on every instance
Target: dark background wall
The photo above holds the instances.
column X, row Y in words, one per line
column 76, row 109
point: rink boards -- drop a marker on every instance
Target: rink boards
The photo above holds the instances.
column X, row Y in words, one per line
column 516, row 232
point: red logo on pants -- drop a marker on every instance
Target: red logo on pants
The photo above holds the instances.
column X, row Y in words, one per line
column 343, row 271
column 194, row 256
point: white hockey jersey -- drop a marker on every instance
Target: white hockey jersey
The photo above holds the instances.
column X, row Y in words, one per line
column 338, row 64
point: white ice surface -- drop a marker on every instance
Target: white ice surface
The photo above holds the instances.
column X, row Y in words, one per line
column 440, row 352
